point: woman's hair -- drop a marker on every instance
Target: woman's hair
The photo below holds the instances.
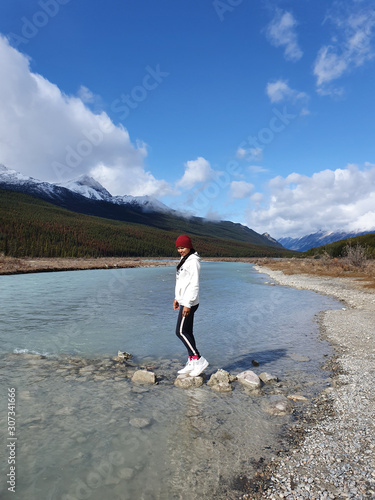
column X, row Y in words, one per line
column 183, row 260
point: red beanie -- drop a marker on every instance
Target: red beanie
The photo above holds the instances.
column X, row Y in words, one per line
column 184, row 241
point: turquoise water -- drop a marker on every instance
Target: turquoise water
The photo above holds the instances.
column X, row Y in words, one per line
column 77, row 437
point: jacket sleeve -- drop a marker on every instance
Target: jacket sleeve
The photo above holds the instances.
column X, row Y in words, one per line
column 192, row 291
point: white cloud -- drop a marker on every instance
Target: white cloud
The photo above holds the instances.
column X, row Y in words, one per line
column 240, row 189
column 256, row 169
column 52, row 136
column 351, row 46
column 196, row 171
column 280, row 90
column 250, row 154
column 281, row 33
column 85, row 94
column 329, row 199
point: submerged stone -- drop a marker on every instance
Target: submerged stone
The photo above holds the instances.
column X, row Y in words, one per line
column 139, row 422
column 278, row 406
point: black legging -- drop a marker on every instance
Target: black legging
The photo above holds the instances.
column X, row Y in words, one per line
column 184, row 330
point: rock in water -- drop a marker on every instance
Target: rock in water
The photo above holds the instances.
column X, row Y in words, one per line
column 278, row 406
column 144, row 377
column 249, row 379
column 188, row 382
column 266, row 378
column 123, row 356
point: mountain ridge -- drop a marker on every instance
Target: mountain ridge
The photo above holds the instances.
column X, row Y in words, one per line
column 88, row 197
column 318, row 239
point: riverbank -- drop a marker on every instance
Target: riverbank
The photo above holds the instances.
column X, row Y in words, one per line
column 13, row 265
column 332, row 448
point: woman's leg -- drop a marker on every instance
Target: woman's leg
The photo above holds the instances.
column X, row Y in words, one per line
column 184, row 330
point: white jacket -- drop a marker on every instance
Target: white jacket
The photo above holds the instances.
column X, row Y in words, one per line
column 187, row 282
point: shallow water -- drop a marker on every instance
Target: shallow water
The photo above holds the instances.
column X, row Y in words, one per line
column 77, row 430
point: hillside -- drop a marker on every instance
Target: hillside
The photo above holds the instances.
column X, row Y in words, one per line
column 35, row 228
column 337, row 249
column 87, row 196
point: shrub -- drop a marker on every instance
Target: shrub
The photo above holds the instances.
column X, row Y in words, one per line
column 355, row 256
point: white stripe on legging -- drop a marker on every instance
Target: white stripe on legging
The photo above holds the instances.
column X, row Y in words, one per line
column 186, row 340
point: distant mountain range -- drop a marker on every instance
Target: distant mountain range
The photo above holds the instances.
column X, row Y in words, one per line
column 87, row 196
column 318, row 239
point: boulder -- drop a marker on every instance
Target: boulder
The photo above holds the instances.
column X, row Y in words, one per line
column 278, row 406
column 221, row 376
column 249, row 379
column 222, row 387
column 267, row 378
column 144, row 377
column 188, row 382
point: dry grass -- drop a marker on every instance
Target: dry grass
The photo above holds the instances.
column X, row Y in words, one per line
column 336, row 268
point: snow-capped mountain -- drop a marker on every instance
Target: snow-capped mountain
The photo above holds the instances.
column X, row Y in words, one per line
column 88, row 187
column 84, row 185
column 87, row 196
column 318, row 239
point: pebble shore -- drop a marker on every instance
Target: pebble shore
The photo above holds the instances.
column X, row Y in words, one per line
column 335, row 457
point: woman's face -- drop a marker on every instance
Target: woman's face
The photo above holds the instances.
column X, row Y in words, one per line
column 183, row 251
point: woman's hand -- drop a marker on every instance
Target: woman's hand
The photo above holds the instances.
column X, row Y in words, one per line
column 176, row 305
column 185, row 311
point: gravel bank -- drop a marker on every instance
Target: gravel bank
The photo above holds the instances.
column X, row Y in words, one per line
column 336, row 456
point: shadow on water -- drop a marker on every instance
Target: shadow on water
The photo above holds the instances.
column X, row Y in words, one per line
column 262, row 357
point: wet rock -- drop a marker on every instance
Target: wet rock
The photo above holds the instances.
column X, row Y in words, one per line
column 220, row 381
column 188, row 382
column 140, row 423
column 218, row 377
column 297, row 397
column 222, row 387
column 144, row 377
column 254, row 362
column 278, row 406
column 122, row 356
column 267, row 378
column 249, row 379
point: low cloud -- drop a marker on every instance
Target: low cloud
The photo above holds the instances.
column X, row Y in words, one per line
column 240, row 189
column 56, row 137
column 196, row 171
column 342, row 199
column 281, row 33
column 351, row 46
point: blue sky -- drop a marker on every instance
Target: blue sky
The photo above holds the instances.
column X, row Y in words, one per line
column 257, row 112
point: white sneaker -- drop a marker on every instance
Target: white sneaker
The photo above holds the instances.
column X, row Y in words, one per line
column 198, row 366
column 187, row 368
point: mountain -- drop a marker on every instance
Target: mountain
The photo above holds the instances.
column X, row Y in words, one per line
column 87, row 196
column 318, row 239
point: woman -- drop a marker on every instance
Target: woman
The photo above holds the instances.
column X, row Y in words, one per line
column 186, row 302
